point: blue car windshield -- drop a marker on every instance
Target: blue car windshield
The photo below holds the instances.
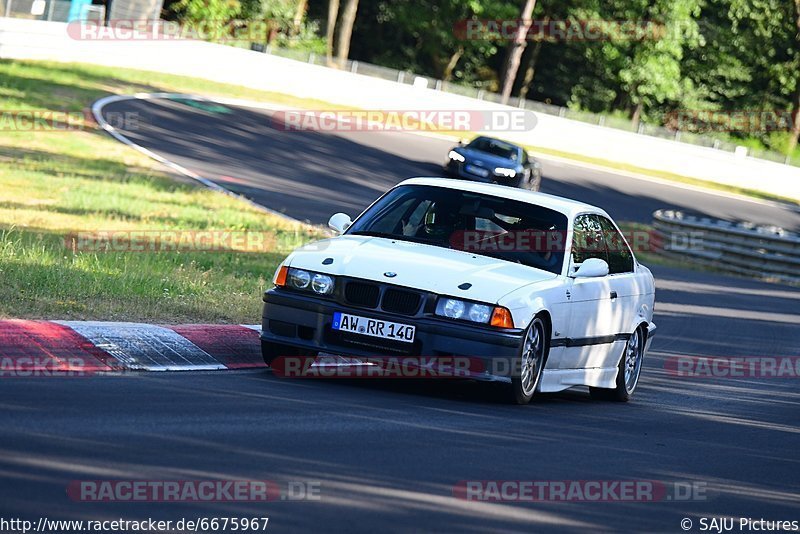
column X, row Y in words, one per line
column 477, row 223
column 494, row 147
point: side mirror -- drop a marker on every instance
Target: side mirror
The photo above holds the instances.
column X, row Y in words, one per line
column 340, row 222
column 592, row 268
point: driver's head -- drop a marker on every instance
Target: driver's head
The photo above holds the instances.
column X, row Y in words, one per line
column 442, row 220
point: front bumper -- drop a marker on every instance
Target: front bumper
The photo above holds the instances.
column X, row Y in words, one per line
column 305, row 322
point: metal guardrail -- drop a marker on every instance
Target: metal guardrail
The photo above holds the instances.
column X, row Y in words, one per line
column 767, row 252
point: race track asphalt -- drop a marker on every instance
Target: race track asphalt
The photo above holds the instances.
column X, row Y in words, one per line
column 311, row 175
column 387, row 455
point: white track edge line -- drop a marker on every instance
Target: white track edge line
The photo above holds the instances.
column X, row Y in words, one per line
column 238, row 102
column 97, row 111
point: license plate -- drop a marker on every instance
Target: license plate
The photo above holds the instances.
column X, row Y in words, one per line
column 345, row 322
column 477, row 171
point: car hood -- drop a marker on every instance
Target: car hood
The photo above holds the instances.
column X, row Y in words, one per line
column 418, row 266
column 489, row 160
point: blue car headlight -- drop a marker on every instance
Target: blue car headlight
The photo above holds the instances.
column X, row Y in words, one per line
column 455, row 156
column 508, row 173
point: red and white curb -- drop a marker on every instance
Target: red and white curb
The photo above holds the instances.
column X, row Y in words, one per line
column 65, row 346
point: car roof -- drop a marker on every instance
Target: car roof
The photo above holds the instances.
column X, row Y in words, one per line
column 567, row 206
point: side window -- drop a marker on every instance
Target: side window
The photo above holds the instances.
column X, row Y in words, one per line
column 394, row 219
column 620, row 258
column 587, row 241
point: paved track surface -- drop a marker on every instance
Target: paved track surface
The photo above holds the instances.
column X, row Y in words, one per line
column 311, row 175
column 387, row 455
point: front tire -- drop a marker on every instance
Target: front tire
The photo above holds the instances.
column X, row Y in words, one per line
column 532, row 358
column 628, row 370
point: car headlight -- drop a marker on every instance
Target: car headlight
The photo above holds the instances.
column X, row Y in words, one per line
column 474, row 312
column 322, row 284
column 455, row 156
column 300, row 279
column 502, row 171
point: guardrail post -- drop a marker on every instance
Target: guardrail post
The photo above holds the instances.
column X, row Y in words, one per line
column 354, row 67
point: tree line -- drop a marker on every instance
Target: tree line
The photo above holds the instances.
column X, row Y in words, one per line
column 727, row 66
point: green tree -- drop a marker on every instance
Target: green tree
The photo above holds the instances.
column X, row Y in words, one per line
column 214, row 16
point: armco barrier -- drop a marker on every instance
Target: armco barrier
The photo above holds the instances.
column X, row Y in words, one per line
column 766, row 252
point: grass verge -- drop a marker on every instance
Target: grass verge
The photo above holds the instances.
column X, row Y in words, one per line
column 57, row 183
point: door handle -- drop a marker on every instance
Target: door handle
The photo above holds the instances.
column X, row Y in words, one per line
column 613, row 295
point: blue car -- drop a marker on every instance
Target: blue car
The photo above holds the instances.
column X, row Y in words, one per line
column 491, row 160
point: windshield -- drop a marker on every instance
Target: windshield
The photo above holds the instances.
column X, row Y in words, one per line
column 480, row 224
column 495, row 147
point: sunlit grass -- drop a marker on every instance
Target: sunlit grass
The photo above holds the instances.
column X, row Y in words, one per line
column 55, row 184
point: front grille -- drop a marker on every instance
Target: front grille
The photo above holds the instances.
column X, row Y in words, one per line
column 402, row 302
column 361, row 294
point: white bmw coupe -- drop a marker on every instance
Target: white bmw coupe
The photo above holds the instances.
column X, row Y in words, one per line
column 544, row 291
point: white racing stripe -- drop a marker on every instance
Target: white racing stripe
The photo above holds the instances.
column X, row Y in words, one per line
column 145, row 347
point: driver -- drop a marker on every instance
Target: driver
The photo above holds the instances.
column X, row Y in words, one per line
column 441, row 221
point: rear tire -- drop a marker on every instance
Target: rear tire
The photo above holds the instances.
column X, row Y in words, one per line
column 532, row 358
column 628, row 370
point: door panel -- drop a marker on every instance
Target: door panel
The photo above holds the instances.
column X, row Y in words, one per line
column 594, row 315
